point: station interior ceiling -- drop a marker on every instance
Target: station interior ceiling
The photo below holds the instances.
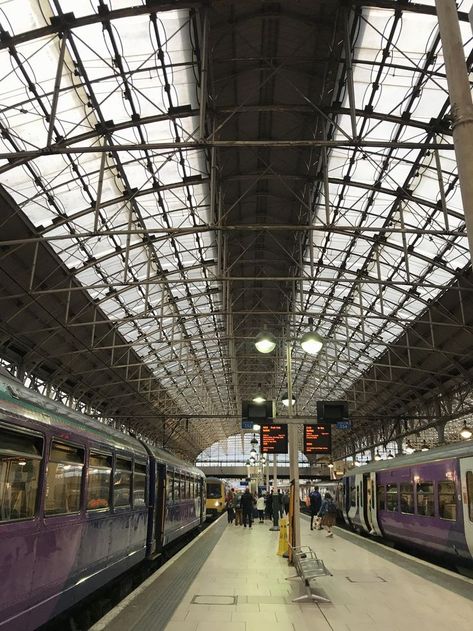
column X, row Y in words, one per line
column 176, row 177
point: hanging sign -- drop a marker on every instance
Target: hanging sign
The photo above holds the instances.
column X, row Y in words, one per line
column 273, row 438
column 318, row 439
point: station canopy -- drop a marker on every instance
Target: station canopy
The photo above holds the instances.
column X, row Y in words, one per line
column 178, row 176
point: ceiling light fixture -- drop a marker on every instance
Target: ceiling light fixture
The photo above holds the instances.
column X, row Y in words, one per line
column 285, row 400
column 466, row 432
column 265, row 342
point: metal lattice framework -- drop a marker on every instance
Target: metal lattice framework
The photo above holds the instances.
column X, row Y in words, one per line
column 176, row 176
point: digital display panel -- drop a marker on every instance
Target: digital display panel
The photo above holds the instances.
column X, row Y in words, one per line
column 273, row 438
column 318, row 439
column 332, row 411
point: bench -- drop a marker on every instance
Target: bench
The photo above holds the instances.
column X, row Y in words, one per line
column 308, row 568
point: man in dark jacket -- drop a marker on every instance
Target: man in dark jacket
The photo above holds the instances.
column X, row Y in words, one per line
column 315, row 504
column 247, row 501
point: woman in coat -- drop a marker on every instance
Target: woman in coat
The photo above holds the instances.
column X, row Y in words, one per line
column 328, row 514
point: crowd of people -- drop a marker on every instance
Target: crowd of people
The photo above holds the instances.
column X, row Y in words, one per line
column 241, row 507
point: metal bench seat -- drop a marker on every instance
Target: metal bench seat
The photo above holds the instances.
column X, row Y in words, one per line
column 308, row 567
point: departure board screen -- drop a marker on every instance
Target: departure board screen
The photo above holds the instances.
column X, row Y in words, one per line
column 273, row 438
column 318, row 439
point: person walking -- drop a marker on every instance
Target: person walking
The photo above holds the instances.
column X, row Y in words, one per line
column 247, row 501
column 315, row 504
column 260, row 505
column 328, row 514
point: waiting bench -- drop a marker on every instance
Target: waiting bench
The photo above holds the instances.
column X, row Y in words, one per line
column 308, row 568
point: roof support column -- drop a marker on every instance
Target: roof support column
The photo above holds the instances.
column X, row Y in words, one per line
column 461, row 104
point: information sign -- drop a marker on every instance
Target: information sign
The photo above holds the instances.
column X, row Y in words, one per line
column 247, row 425
column 273, row 438
column 318, row 439
column 343, row 425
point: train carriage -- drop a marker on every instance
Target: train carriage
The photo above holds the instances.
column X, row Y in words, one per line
column 216, row 494
column 424, row 500
column 80, row 503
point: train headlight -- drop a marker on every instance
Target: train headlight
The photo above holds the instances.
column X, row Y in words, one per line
column 217, row 503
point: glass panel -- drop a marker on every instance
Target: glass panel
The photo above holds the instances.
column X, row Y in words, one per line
column 183, row 487
column 213, row 490
column 381, row 495
column 169, row 486
column 407, row 497
column 139, row 485
column 447, row 501
column 469, row 490
column 122, row 483
column 19, row 474
column 425, row 499
column 391, row 497
column 176, row 493
column 64, row 479
column 99, row 478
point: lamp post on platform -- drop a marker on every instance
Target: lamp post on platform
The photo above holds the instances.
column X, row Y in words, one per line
column 311, row 343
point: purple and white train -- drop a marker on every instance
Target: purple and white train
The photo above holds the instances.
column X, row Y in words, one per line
column 80, row 503
column 424, row 500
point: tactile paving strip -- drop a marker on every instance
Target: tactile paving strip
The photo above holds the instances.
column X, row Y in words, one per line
column 154, row 607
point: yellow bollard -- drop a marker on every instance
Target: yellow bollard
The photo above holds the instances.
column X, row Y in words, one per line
column 283, row 547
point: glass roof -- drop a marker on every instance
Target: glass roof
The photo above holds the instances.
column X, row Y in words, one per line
column 392, row 236
column 101, row 147
column 121, row 221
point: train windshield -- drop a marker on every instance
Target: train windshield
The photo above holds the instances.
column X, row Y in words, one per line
column 213, row 490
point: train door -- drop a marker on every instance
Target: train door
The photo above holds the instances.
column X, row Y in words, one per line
column 375, row 529
column 159, row 513
column 365, row 508
column 355, row 499
column 466, row 476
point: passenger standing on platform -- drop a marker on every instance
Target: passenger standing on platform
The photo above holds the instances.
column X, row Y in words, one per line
column 230, row 504
column 328, row 513
column 315, row 504
column 247, row 501
column 286, row 501
column 269, row 505
column 237, row 505
column 260, row 505
column 281, row 504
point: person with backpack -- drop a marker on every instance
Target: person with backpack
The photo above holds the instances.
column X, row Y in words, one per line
column 230, row 505
column 328, row 514
column 315, row 503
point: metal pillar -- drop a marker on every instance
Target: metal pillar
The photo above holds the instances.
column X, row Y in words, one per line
column 399, row 442
column 275, row 503
column 461, row 104
column 293, row 451
column 275, row 472
column 440, row 427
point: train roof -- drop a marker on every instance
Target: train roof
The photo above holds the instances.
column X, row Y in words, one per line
column 17, row 398
column 462, row 449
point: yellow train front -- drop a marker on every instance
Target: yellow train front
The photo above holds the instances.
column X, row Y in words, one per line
column 216, row 493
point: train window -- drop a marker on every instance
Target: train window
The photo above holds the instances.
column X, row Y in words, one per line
column 469, row 490
column 177, row 489
column 64, row 479
column 20, row 459
column 407, row 497
column 213, row 490
column 192, row 488
column 122, row 483
column 381, row 496
column 169, row 485
column 425, row 499
column 139, row 485
column 183, row 487
column 447, row 503
column 99, row 478
column 391, row 497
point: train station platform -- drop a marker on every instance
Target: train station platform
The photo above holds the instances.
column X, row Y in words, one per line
column 230, row 579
